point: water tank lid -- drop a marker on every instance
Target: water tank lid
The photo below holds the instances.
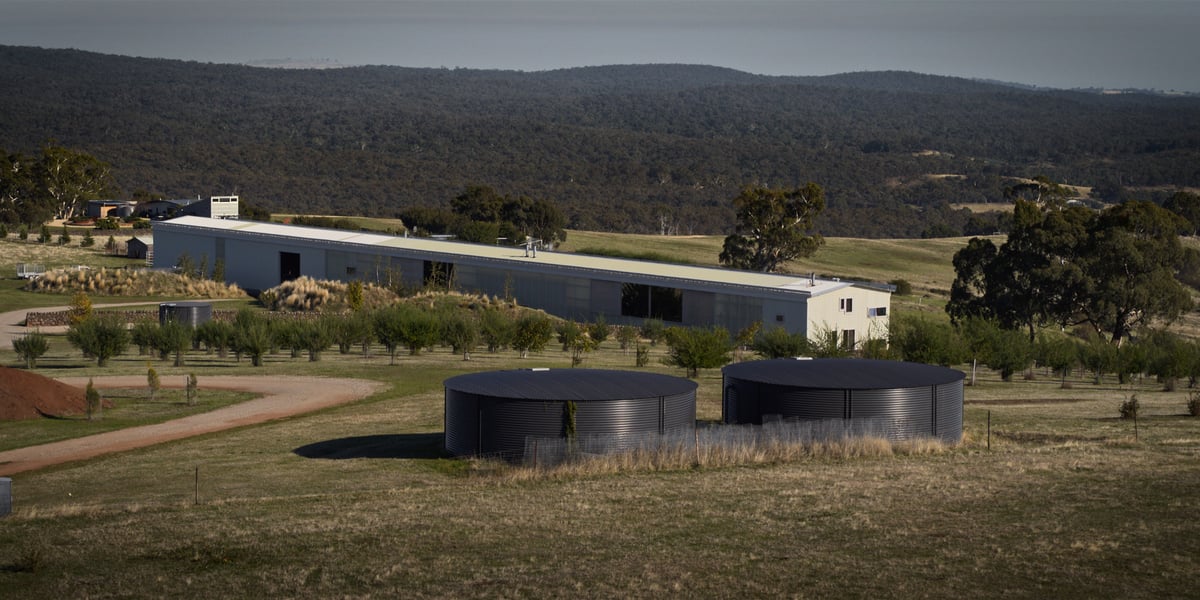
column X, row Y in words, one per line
column 570, row 384
column 187, row 303
column 842, row 373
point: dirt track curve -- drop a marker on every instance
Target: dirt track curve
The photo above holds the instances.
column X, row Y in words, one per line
column 282, row 397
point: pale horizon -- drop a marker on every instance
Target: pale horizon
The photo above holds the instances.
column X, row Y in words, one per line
column 1111, row 44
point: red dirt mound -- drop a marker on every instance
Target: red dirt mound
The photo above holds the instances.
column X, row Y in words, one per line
column 23, row 394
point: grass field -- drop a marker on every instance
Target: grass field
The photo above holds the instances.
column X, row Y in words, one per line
column 1060, row 500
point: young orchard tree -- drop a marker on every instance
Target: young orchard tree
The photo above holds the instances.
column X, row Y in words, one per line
column 153, row 383
column 496, row 329
column 92, row 400
column 778, row 343
column 627, row 337
column 390, row 327
column 31, row 347
column 694, row 348
column 100, row 336
column 461, row 332
column 532, row 333
column 173, row 339
column 252, row 336
column 315, row 337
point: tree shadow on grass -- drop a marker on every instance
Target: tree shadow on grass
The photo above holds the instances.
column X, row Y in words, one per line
column 408, row 445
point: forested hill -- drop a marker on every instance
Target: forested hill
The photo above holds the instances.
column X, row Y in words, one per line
column 627, row 148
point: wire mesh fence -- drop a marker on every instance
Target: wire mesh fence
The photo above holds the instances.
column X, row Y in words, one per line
column 706, row 445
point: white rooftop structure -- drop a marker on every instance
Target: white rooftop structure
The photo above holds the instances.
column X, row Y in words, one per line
column 260, row 255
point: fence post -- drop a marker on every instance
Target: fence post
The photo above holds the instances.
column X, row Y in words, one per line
column 197, row 487
column 989, row 434
column 535, row 454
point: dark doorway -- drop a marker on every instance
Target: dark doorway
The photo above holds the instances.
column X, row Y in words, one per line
column 289, row 266
column 652, row 302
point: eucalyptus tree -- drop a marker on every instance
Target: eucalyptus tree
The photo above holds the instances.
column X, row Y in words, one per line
column 773, row 227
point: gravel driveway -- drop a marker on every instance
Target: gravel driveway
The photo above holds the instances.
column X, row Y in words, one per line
column 282, row 397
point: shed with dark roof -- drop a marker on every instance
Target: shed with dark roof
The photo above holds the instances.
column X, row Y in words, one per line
column 493, row 413
column 917, row 400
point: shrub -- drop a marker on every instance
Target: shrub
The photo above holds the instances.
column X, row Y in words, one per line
column 532, row 333
column 599, row 330
column 100, row 337
column 568, row 331
column 192, row 386
column 88, row 241
column 23, row 232
column 44, row 235
column 903, row 287
column 64, row 238
column 92, row 399
column 496, row 328
column 778, row 343
column 694, row 348
column 653, row 330
column 108, row 224
column 31, row 347
column 1193, row 404
column 643, row 356
column 153, row 382
column 1129, row 408
column 81, row 307
column 626, row 336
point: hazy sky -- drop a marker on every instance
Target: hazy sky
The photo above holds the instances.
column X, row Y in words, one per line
column 1057, row 43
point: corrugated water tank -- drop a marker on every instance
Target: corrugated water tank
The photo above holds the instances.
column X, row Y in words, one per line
column 916, row 400
column 492, row 413
column 190, row 313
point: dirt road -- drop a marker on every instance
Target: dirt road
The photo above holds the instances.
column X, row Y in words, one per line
column 282, row 397
column 11, row 322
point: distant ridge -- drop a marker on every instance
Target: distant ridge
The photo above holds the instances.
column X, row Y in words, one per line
column 635, row 148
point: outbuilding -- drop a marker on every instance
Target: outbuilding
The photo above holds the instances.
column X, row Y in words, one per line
column 259, row 255
column 140, row 247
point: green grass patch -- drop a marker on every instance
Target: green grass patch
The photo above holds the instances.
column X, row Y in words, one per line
column 357, row 500
column 635, row 255
column 131, row 407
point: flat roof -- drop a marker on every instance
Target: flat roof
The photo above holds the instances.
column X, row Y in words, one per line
column 570, row 384
column 449, row 249
column 842, row 373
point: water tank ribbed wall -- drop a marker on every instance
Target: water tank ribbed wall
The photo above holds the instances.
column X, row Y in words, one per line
column 462, row 409
column 191, row 314
column 494, row 413
column 910, row 410
column 916, row 400
column 950, row 411
column 5, row 496
column 804, row 403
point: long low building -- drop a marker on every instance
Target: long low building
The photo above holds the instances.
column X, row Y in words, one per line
column 258, row 256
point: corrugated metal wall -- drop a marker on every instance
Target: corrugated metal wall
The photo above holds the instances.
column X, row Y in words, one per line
column 491, row 426
column 5, row 496
column 192, row 314
column 925, row 411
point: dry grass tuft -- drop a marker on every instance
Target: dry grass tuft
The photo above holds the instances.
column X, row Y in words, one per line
column 306, row 294
column 130, row 282
column 680, row 456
